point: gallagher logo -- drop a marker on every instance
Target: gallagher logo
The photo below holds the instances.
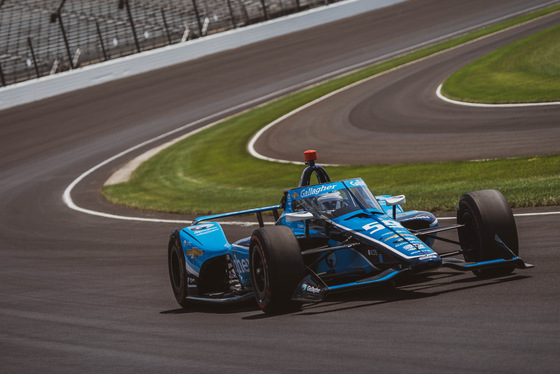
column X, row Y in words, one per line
column 316, row 190
column 310, row 288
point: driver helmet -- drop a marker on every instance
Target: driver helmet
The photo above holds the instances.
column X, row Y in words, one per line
column 330, row 201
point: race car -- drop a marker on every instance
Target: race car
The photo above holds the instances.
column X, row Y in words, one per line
column 333, row 237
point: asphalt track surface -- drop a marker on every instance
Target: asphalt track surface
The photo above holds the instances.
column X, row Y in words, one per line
column 396, row 117
column 90, row 294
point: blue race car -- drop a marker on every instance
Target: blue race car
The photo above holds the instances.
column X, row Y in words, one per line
column 333, row 237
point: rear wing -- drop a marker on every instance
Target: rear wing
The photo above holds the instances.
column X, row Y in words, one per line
column 257, row 211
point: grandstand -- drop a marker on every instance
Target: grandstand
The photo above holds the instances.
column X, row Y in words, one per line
column 42, row 37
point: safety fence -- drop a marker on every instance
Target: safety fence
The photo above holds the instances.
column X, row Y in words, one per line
column 42, row 37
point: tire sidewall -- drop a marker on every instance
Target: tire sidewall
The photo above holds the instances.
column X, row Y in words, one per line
column 277, row 250
column 486, row 214
column 472, row 236
column 177, row 271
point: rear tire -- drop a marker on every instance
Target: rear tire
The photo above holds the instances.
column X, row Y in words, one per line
column 276, row 268
column 486, row 214
column 177, row 270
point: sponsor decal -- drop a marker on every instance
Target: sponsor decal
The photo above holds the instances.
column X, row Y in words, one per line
column 357, row 183
column 416, row 217
column 242, row 266
column 408, row 246
column 427, row 257
column 313, row 191
column 309, row 288
column 391, row 237
column 191, row 282
column 208, row 230
column 200, row 227
column 413, row 246
column 194, row 253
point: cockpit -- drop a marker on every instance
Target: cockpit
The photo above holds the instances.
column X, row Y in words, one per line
column 334, row 199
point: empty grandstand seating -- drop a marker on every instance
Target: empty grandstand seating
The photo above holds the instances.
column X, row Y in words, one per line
column 41, row 37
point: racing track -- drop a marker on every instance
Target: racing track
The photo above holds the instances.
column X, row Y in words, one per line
column 396, row 117
column 85, row 293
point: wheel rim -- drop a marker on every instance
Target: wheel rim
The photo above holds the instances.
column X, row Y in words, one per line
column 259, row 273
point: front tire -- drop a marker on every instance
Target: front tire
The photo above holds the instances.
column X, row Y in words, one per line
column 177, row 270
column 486, row 214
column 276, row 268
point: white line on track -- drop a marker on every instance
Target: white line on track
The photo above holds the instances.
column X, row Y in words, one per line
column 481, row 105
column 67, row 195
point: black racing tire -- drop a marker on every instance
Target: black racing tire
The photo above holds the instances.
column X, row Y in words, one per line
column 177, row 270
column 486, row 214
column 276, row 268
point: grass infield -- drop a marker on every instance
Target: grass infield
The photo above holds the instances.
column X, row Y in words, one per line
column 212, row 171
column 526, row 71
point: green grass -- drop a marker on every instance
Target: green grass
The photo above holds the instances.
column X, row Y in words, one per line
column 526, row 71
column 212, row 172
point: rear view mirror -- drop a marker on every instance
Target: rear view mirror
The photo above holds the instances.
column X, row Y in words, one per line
column 299, row 216
column 396, row 200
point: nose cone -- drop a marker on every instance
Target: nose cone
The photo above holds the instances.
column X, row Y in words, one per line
column 426, row 262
